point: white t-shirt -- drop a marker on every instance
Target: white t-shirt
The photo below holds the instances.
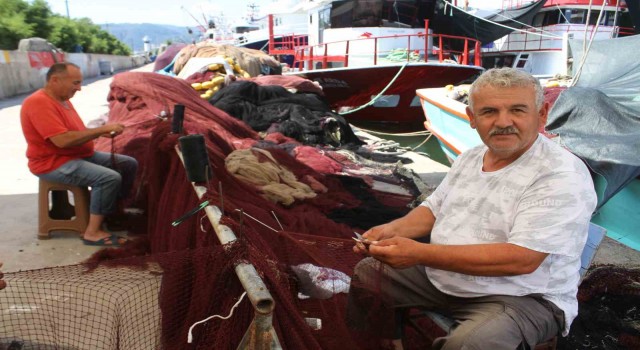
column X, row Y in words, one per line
column 543, row 201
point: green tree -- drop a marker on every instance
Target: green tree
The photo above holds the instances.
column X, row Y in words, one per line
column 64, row 33
column 13, row 26
column 20, row 19
column 37, row 15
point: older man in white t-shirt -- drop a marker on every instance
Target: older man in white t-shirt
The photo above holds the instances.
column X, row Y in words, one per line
column 506, row 226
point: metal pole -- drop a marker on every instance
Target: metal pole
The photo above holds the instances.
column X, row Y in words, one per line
column 260, row 334
column 66, row 3
column 426, row 40
column 375, row 51
column 272, row 44
column 346, row 56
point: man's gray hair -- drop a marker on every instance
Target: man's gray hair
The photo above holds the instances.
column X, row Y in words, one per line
column 58, row 68
column 504, row 78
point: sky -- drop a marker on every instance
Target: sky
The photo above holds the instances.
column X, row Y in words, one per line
column 150, row 11
column 171, row 11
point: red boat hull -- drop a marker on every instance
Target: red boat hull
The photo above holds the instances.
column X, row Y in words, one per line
column 349, row 88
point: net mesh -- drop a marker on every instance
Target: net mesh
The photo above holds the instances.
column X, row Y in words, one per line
column 66, row 308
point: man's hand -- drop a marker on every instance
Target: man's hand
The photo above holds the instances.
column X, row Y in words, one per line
column 112, row 130
column 380, row 232
column 375, row 233
column 2, row 282
column 397, row 252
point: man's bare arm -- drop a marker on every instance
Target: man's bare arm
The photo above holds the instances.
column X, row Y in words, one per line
column 494, row 259
column 76, row 138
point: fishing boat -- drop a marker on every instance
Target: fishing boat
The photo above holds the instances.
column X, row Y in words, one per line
column 285, row 21
column 369, row 57
column 251, row 30
column 583, row 123
column 538, row 48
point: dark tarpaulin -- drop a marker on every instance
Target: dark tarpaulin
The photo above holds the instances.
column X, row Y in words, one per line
column 452, row 21
column 602, row 132
column 634, row 11
column 599, row 118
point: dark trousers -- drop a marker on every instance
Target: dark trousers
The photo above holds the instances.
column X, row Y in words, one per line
column 489, row 322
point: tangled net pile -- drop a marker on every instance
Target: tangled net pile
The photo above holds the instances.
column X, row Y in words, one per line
column 303, row 251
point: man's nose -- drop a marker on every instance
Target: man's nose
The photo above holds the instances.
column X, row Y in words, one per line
column 504, row 119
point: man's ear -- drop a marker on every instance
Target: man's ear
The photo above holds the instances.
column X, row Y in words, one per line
column 543, row 114
column 472, row 119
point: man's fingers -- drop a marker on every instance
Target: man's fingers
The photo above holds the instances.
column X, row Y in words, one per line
column 385, row 242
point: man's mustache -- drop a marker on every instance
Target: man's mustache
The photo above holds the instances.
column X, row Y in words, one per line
column 504, row 131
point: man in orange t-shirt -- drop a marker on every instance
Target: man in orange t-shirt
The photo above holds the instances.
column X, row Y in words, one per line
column 60, row 149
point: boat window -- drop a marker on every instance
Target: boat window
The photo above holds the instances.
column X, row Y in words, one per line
column 551, row 17
column 609, row 17
column 593, row 17
column 565, row 16
column 522, row 60
column 245, row 29
column 578, row 16
column 374, row 13
column 367, row 13
column 324, row 19
column 400, row 11
column 538, row 20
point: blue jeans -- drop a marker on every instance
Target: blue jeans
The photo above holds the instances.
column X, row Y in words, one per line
column 97, row 172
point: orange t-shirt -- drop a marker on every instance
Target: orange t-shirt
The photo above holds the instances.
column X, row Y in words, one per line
column 42, row 117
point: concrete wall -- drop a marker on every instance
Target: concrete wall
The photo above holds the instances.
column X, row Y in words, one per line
column 20, row 73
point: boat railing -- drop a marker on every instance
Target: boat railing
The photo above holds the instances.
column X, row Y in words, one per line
column 536, row 39
column 286, row 44
column 373, row 50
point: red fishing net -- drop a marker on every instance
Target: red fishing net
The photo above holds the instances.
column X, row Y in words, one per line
column 302, row 251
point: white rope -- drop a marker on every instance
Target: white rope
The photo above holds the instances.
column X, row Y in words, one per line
column 422, row 143
column 562, row 14
column 527, row 25
column 406, row 134
column 583, row 59
column 373, row 100
column 274, row 215
column 502, row 25
column 190, row 336
column 258, row 221
column 586, row 25
column 201, row 224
